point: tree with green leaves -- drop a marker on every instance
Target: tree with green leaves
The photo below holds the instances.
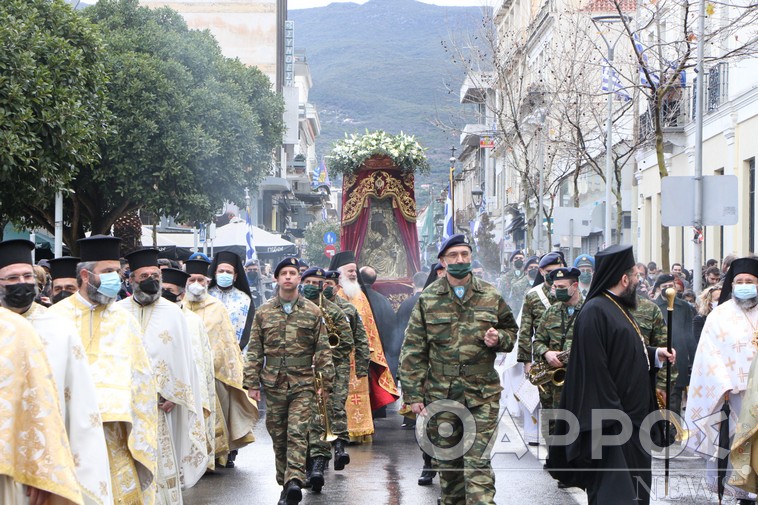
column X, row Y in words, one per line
column 52, row 104
column 314, row 242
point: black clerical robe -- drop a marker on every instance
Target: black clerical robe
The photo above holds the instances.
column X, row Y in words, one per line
column 609, row 368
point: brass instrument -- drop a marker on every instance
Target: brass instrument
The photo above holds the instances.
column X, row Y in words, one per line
column 542, row 373
column 331, row 329
column 321, row 399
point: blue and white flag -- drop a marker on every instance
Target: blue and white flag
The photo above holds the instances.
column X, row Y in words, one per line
column 643, row 78
column 320, row 175
column 612, row 82
column 448, row 231
column 249, row 245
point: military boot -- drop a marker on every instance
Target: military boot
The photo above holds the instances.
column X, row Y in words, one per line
column 341, row 458
column 292, row 492
column 308, row 470
column 427, row 474
column 282, row 499
column 317, row 473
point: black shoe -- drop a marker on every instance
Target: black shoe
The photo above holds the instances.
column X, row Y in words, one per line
column 426, row 477
column 745, row 502
column 308, row 470
column 230, row 459
column 292, row 492
column 317, row 474
column 341, row 458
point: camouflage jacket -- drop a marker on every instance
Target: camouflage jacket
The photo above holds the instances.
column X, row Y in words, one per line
column 360, row 338
column 518, row 293
column 507, row 281
column 531, row 312
column 444, row 355
column 340, row 353
column 553, row 323
column 653, row 328
column 300, row 335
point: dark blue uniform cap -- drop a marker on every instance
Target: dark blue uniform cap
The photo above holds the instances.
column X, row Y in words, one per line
column 565, row 273
column 313, row 272
column 286, row 262
column 552, row 258
column 453, row 241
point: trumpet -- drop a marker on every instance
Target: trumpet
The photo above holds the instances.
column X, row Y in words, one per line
column 322, row 402
column 331, row 329
column 542, row 373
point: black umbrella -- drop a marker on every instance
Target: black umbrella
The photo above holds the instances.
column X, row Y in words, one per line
column 724, row 446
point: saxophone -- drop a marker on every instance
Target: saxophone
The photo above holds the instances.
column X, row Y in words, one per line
column 331, row 329
column 541, row 373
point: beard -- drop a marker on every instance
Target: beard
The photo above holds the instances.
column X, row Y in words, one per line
column 145, row 298
column 96, row 297
column 745, row 304
column 351, row 288
column 629, row 297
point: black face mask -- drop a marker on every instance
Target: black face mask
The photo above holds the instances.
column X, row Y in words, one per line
column 532, row 274
column 62, row 296
column 518, row 264
column 19, row 296
column 168, row 295
column 149, row 286
column 252, row 278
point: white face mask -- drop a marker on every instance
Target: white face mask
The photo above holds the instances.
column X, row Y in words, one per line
column 714, row 305
column 196, row 289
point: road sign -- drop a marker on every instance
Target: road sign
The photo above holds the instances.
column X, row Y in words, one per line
column 330, row 237
column 330, row 251
column 720, row 196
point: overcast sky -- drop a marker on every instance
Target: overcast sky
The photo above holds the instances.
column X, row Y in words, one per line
column 305, row 4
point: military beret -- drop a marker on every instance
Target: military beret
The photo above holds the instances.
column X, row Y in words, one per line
column 552, row 258
column 313, row 272
column 303, row 264
column 453, row 241
column 286, row 262
column 515, row 253
column 531, row 260
column 663, row 279
column 565, row 273
column 331, row 274
column 584, row 260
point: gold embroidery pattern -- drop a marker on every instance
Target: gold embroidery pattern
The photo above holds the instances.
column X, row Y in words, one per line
column 380, row 185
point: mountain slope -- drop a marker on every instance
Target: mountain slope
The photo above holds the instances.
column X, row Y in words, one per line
column 382, row 65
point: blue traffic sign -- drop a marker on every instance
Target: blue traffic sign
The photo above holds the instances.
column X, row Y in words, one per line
column 330, row 237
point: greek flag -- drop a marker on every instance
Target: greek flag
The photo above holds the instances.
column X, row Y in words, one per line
column 448, row 232
column 320, row 175
column 249, row 246
column 612, row 82
column 643, row 78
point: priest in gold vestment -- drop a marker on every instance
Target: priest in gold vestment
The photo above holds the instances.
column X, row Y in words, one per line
column 26, row 475
column 71, row 371
column 235, row 412
column 378, row 389
column 120, row 367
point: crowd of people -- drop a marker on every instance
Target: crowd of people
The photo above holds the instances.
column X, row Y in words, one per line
column 154, row 370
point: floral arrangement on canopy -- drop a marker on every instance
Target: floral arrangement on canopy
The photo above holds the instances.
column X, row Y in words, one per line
column 349, row 154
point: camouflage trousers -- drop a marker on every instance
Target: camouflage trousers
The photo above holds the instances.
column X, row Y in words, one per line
column 337, row 415
column 468, row 479
column 288, row 418
column 550, row 398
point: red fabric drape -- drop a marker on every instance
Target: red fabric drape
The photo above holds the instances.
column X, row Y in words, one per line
column 353, row 234
column 409, row 234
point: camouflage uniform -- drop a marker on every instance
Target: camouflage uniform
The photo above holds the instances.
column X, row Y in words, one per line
column 292, row 344
column 444, row 357
column 531, row 312
column 506, row 284
column 518, row 293
column 338, row 396
column 556, row 322
column 653, row 328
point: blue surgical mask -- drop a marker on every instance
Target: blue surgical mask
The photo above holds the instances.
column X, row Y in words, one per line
column 744, row 291
column 110, row 284
column 224, row 280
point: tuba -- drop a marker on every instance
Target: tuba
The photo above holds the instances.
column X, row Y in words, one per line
column 542, row 373
column 331, row 329
column 321, row 400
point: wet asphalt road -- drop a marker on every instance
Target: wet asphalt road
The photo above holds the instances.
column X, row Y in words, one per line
column 385, row 472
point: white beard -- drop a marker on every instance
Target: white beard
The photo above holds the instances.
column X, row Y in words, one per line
column 351, row 288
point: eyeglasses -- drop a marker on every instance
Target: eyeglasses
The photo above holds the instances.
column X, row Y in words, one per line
column 452, row 256
column 14, row 279
column 145, row 277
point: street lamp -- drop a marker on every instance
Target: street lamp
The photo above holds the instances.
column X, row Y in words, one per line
column 476, row 196
column 452, row 185
column 599, row 21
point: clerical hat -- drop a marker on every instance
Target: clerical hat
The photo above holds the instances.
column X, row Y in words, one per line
column 100, row 248
column 64, row 267
column 565, row 273
column 454, row 240
column 610, row 265
column 174, row 276
column 341, row 259
column 313, row 272
column 286, row 262
column 227, row 257
column 16, row 251
column 198, row 266
column 747, row 265
column 141, row 258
